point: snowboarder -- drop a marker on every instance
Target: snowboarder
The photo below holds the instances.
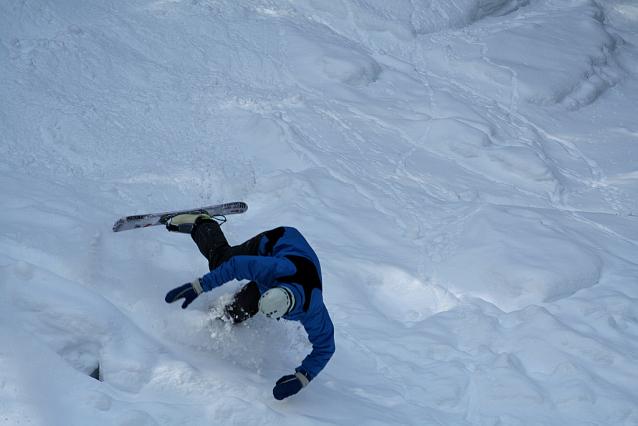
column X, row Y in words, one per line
column 285, row 282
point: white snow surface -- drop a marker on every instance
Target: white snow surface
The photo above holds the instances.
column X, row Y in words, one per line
column 467, row 171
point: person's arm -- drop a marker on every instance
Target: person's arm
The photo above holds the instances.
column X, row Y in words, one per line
column 320, row 331
column 263, row 270
column 320, row 334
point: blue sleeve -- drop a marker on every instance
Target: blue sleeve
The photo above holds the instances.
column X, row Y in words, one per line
column 263, row 270
column 320, row 331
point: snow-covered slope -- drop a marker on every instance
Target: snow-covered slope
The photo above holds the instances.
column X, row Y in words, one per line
column 467, row 171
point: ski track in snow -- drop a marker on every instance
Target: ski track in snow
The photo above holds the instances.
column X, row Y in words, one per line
column 472, row 203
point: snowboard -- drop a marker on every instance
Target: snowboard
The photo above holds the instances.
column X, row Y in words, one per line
column 153, row 219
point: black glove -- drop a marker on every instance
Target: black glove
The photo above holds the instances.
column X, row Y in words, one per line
column 290, row 385
column 189, row 292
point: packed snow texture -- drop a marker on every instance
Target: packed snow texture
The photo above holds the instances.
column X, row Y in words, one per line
column 467, row 171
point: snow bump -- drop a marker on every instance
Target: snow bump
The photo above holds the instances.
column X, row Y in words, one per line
column 514, row 258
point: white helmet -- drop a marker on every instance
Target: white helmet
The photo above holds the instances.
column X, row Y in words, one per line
column 276, row 302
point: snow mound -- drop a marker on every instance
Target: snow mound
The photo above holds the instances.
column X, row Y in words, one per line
column 406, row 19
column 332, row 57
column 517, row 257
column 471, row 145
column 401, row 296
column 82, row 327
column 576, row 62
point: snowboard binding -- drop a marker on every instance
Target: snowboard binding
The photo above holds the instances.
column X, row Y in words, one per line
column 186, row 223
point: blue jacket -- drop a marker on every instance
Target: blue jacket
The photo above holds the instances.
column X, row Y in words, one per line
column 286, row 259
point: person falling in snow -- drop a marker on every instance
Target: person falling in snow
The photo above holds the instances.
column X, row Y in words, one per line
column 285, row 282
